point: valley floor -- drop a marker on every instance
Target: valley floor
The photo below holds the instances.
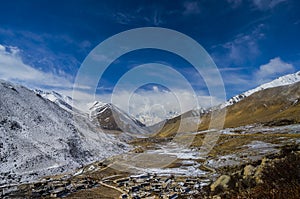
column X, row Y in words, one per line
column 246, row 162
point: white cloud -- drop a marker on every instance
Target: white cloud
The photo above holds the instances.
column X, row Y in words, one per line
column 159, row 103
column 152, row 102
column 266, row 4
column 275, row 67
column 155, row 88
column 2, row 48
column 12, row 68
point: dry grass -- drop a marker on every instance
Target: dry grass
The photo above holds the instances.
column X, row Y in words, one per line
column 270, row 105
column 280, row 180
column 99, row 192
column 238, row 118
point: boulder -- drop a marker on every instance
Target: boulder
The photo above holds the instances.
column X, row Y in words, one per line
column 259, row 171
column 221, row 183
column 249, row 171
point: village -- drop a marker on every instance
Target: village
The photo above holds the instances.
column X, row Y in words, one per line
column 146, row 185
column 154, row 186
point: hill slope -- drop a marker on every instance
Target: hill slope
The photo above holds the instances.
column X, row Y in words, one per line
column 272, row 106
column 274, row 103
column 39, row 138
column 281, row 81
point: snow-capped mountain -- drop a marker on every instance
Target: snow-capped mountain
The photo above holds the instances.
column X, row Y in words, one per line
column 110, row 117
column 38, row 138
column 63, row 101
column 281, row 81
column 153, row 118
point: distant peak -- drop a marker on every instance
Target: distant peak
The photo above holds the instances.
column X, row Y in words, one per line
column 96, row 104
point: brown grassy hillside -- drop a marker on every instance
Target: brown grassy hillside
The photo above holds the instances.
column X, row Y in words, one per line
column 273, row 106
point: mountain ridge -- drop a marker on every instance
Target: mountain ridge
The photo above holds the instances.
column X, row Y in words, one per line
column 270, row 103
column 40, row 138
column 280, row 81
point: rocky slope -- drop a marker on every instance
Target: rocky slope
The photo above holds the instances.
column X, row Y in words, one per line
column 39, row 138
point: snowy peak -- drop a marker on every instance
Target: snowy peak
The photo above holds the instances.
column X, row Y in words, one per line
column 281, row 81
column 110, row 117
column 98, row 107
column 63, row 101
column 97, row 104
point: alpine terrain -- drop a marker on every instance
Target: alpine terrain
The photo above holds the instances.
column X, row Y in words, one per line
column 50, row 150
column 40, row 138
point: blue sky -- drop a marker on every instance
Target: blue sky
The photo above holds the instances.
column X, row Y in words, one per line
column 251, row 41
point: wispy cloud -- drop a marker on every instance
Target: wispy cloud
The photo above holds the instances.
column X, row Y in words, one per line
column 41, row 49
column 275, row 67
column 266, row 4
column 157, row 19
column 153, row 16
column 243, row 47
column 234, row 3
column 191, row 8
column 12, row 68
column 123, row 18
column 241, row 82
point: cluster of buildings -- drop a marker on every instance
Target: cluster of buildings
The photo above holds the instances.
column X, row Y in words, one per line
column 60, row 188
column 150, row 186
column 153, row 186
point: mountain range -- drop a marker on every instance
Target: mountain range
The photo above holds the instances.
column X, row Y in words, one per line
column 42, row 134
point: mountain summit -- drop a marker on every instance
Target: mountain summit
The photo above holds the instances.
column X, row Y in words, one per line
column 110, row 117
